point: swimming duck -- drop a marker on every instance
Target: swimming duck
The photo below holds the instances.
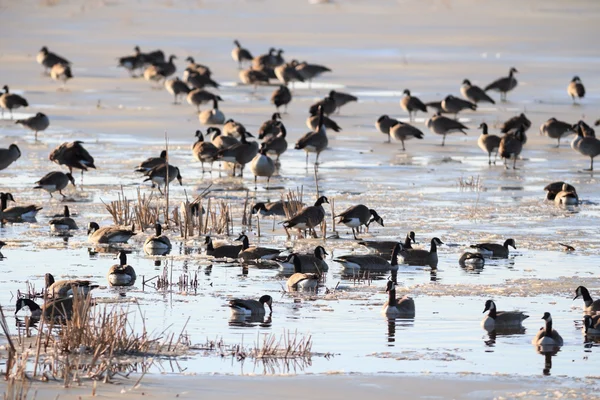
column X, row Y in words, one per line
column 403, row 307
column 108, row 234
column 495, row 250
column 497, row 320
column 121, row 274
column 547, row 336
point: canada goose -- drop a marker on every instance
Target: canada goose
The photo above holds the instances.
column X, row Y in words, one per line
column 275, row 208
column 370, row 262
column 308, row 217
column 233, row 128
column 300, row 281
column 566, row 197
column 587, row 146
column 358, row 215
column 315, row 141
column 9, row 156
column 310, row 263
column 55, row 181
column 152, row 162
column 511, row 145
column 251, row 307
column 239, row 154
column 422, row 257
column 591, row 305
column 219, row 140
column 310, row 71
column 131, row 63
column 496, row 320
column 386, row 247
column 262, row 165
column 153, row 57
column 11, row 101
column 66, row 288
column 437, row 105
column 108, row 234
column 403, row 307
column 63, row 223
column 556, row 129
column 160, row 70
column 222, row 251
column 488, row 143
column 204, row 151
column 121, row 274
column 411, row 104
column 16, row 213
column 327, row 104
column 212, row 117
column 556, row 187
column 197, row 97
column 384, row 123
column 61, row 73
column 454, row 105
column 270, row 127
column 567, row 248
column 176, row 87
column 495, row 250
column 473, row 260
column 287, row 72
column 444, row 126
column 48, row 59
column 277, row 145
column 240, row 54
column 504, row 84
column 199, row 81
column 253, row 77
column 158, row 241
column 341, row 99
column 73, row 155
column 402, row 132
column 265, row 59
column 281, row 97
column 547, row 336
column 199, row 69
column 39, row 122
column 591, row 325
column 576, row 89
column 248, row 253
column 474, row 93
column 514, row 123
column 60, row 309
column 313, row 120
column 581, row 130
column 158, row 176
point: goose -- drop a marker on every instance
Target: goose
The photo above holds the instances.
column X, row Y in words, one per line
column 11, row 101
column 270, row 127
column 313, row 120
column 495, row 250
column 199, row 69
column 212, row 117
column 327, row 104
column 275, row 208
column 152, row 162
column 358, row 215
column 262, row 165
column 386, row 247
column 48, row 59
column 253, row 77
column 39, row 122
column 384, row 123
column 444, row 126
column 176, row 87
column 16, row 213
column 205, row 152
column 512, row 124
column 411, row 104
column 121, row 274
column 197, row 97
column 473, row 260
column 160, row 70
column 233, row 128
column 566, row 197
column 504, row 84
column 591, row 325
column 9, row 156
column 61, row 73
column 55, row 181
column 370, row 262
column 454, row 105
column 300, row 281
column 73, row 155
column 576, row 89
column 277, row 59
column 255, row 308
column 239, row 154
column 403, row 307
column 265, row 59
column 556, row 129
column 308, row 217
column 198, row 80
column 511, row 145
column 488, row 143
column 591, row 305
column 402, row 132
column 556, row 187
column 158, row 242
column 248, row 253
column 437, row 105
column 310, row 263
column 240, row 54
column 341, row 99
column 158, row 176
column 277, row 145
column 132, row 62
column 497, row 320
column 315, row 141
column 64, row 223
column 60, row 309
column 153, row 57
column 422, row 257
column 587, row 146
column 474, row 93
column 224, row 250
column 310, row 71
column 287, row 73
column 281, row 97
column 219, row 140
column 547, row 336
column 67, row 287
column 108, row 234
column 567, row 248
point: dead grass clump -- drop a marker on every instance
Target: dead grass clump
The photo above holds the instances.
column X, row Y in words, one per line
column 472, row 183
column 144, row 212
column 285, row 346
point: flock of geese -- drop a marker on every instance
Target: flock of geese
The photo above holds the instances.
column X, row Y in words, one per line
column 228, row 141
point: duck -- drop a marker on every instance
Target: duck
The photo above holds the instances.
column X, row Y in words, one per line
column 576, row 89
column 233, row 128
column 254, row 77
column 152, row 162
column 312, row 262
column 61, row 73
column 219, row 140
column 254, row 308
column 121, row 274
column 240, row 153
column 591, row 305
column 308, row 217
column 556, row 187
column 474, row 93
column 511, row 145
column 177, row 87
column 59, row 309
column 312, row 122
column 591, row 325
column 240, row 54
column 547, row 336
column 55, row 181
column 48, row 59
column 38, row 123
column 358, row 215
column 586, row 145
column 287, row 73
column 9, row 156
column 64, row 223
column 495, row 250
column 512, row 124
column 566, row 197
column 223, row 250
column 108, row 234
column 556, row 129
column 300, row 281
column 73, row 155
column 213, row 116
column 370, row 262
column 403, row 307
column 277, row 145
column 281, row 97
column 383, row 125
column 66, row 288
column 504, row 84
column 498, row 320
column 488, row 143
column 158, row 242
column 341, row 99
column 262, row 165
column 314, row 141
column 454, row 105
column 158, row 176
column 422, row 257
column 444, row 126
column 402, row 131
column 471, row 260
column 132, row 62
column 411, row 104
column 205, row 152
column 16, row 213
column 11, row 101
column 270, row 127
column 160, row 70
column 310, row 71
column 248, row 253
column 197, row 97
column 384, row 248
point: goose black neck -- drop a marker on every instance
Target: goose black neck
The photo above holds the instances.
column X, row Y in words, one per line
column 484, row 129
column 407, row 242
column 209, row 245
column 158, row 229
column 245, row 243
column 66, row 212
column 123, row 258
column 392, row 297
column 395, row 255
column 297, row 265
column 3, row 201
column 33, row 306
column 320, row 123
column 492, row 313
column 587, row 298
column 433, row 246
column 282, row 131
column 549, row 325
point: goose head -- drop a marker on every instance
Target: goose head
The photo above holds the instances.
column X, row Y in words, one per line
column 466, row 82
column 92, row 227
column 275, row 116
column 179, row 177
column 21, row 303
column 489, row 305
column 44, row 50
column 258, row 207
column 511, row 243
column 581, row 291
column 376, row 217
column 70, row 177
column 268, row 300
column 484, row 127
column 406, row 92
column 547, row 317
column 383, row 118
column 122, row 256
column 237, row 44
column 513, row 70
column 320, row 252
column 575, row 79
column 321, row 200
column 199, row 136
